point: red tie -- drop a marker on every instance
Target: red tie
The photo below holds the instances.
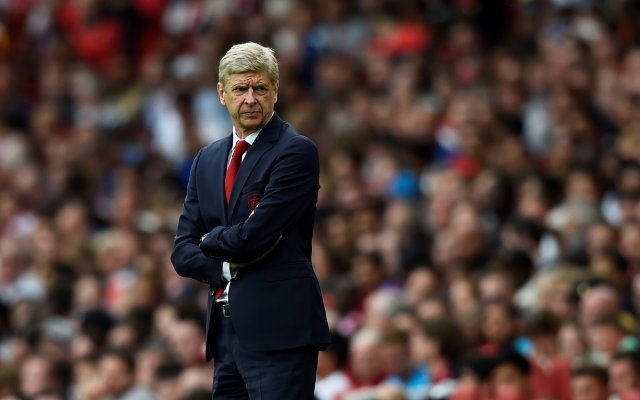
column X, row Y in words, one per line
column 234, row 166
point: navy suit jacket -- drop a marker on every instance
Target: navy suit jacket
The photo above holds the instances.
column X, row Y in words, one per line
column 275, row 302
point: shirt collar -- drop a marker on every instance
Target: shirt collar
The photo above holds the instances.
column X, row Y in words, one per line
column 249, row 139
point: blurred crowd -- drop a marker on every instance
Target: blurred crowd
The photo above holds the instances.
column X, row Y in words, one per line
column 478, row 226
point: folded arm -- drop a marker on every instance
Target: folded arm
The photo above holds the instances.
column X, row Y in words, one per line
column 187, row 257
column 292, row 188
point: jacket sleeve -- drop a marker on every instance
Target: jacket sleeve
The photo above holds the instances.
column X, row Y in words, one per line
column 187, row 257
column 291, row 190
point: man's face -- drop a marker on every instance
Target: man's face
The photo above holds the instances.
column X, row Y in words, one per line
column 186, row 342
column 34, row 376
column 250, row 98
column 507, row 378
column 621, row 376
column 588, row 388
column 116, row 378
column 604, row 339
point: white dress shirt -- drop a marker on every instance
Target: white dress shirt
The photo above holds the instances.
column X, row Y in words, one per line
column 226, row 266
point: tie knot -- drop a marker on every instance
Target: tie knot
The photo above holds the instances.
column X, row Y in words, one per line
column 241, row 147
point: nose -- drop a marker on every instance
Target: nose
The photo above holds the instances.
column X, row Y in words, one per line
column 250, row 98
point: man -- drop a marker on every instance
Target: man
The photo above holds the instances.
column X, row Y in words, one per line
column 589, row 382
column 249, row 238
column 40, row 374
column 185, row 341
column 510, row 376
column 364, row 370
column 550, row 373
column 116, row 371
column 624, row 374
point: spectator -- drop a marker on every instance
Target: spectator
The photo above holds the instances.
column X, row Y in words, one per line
column 597, row 301
column 510, row 378
column 498, row 327
column 332, row 379
column 186, row 340
column 550, row 372
column 624, row 374
column 116, row 369
column 40, row 375
column 365, row 369
column 605, row 336
column 475, row 378
column 435, row 349
column 149, row 361
column 421, row 283
column 496, row 284
column 589, row 382
column 571, row 343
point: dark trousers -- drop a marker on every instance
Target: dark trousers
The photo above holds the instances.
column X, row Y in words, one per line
column 240, row 373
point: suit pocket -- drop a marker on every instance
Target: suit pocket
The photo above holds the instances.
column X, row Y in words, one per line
column 289, row 271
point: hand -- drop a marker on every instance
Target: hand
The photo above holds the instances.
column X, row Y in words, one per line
column 203, row 237
column 235, row 267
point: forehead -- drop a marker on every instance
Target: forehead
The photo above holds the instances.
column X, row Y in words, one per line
column 253, row 77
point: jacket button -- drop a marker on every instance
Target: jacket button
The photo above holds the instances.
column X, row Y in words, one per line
column 211, row 292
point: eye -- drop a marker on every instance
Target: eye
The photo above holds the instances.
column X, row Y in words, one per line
column 261, row 90
column 238, row 90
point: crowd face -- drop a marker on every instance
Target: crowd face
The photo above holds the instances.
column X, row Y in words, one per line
column 186, row 340
column 604, row 339
column 587, row 387
column 497, row 324
column 115, row 376
column 365, row 361
column 622, row 376
column 423, row 348
column 571, row 345
column 596, row 302
column 507, row 380
column 35, row 376
column 395, row 358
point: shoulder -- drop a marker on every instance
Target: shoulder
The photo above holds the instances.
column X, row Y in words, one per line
column 294, row 139
column 214, row 147
column 287, row 134
column 213, row 150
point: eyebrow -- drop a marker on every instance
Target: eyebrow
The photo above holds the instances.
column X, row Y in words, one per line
column 242, row 84
column 258, row 87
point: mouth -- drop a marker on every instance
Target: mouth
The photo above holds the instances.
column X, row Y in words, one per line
column 251, row 114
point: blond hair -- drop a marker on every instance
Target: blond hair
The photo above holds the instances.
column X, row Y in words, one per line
column 248, row 57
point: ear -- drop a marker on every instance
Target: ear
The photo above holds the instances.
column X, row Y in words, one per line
column 277, row 85
column 220, row 93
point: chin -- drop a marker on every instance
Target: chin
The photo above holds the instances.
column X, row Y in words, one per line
column 248, row 127
column 253, row 124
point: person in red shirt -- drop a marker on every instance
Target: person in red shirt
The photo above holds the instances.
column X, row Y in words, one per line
column 550, row 373
column 365, row 369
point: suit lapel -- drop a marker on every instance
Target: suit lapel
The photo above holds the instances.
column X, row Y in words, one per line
column 269, row 135
column 219, row 170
